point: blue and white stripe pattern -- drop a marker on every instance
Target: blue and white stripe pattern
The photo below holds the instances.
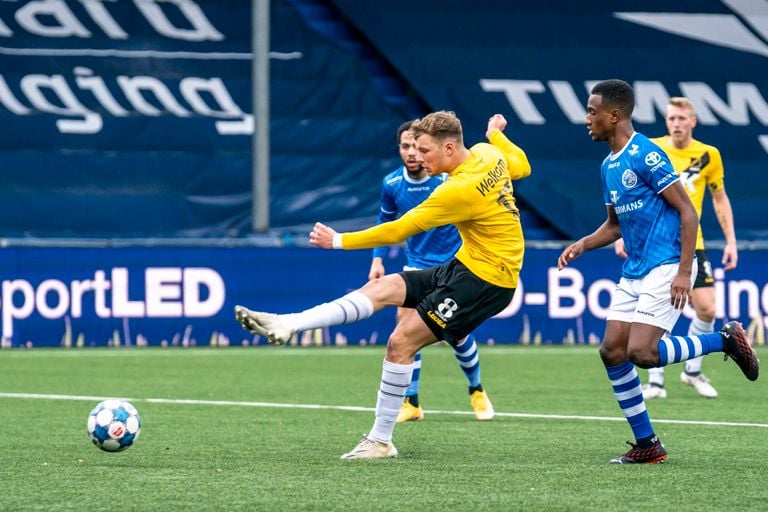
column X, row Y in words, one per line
column 413, row 389
column 626, row 387
column 674, row 349
column 469, row 360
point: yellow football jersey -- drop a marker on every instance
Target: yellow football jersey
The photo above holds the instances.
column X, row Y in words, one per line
column 700, row 166
column 477, row 199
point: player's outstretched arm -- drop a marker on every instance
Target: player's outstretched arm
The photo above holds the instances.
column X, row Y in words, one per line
column 322, row 236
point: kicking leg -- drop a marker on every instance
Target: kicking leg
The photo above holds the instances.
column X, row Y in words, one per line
column 357, row 305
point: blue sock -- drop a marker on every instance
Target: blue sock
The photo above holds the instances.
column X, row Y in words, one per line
column 673, row 349
column 626, row 388
column 413, row 388
column 469, row 360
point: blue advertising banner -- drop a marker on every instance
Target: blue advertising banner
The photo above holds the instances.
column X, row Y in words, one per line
column 181, row 296
column 536, row 61
column 141, row 111
column 134, row 118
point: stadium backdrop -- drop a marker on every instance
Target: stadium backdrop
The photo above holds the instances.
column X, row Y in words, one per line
column 132, row 121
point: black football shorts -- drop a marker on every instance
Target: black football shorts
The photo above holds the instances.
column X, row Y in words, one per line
column 705, row 278
column 453, row 301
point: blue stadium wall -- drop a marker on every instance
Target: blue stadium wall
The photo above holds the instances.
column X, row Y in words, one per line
column 133, row 119
column 182, row 296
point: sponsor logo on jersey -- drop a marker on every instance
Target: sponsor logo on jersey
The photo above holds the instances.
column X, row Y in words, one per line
column 629, row 179
column 652, row 158
column 629, row 207
column 665, row 179
column 492, row 177
column 633, row 149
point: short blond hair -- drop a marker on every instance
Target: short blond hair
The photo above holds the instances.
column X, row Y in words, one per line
column 682, row 102
column 440, row 125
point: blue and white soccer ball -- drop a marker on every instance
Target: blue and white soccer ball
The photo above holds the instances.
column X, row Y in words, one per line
column 114, row 425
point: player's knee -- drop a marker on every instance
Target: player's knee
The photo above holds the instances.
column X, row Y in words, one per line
column 706, row 313
column 398, row 350
column 612, row 354
column 388, row 290
column 643, row 357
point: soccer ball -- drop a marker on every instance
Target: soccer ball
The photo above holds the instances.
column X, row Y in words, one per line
column 114, row 425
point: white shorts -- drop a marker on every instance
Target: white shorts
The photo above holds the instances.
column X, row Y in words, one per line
column 648, row 300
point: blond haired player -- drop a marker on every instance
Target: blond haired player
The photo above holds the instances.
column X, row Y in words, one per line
column 700, row 168
column 446, row 302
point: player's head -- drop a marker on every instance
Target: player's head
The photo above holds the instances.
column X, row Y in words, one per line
column 407, row 147
column 439, row 140
column 610, row 104
column 681, row 120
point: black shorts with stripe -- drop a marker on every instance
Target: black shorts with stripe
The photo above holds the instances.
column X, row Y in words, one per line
column 453, row 301
column 705, row 278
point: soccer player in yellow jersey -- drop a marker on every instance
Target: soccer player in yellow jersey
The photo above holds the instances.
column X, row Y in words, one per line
column 700, row 168
column 446, row 302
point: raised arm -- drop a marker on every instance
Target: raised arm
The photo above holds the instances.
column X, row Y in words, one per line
column 517, row 161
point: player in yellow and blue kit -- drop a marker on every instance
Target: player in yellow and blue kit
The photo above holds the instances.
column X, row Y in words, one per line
column 446, row 302
column 646, row 204
column 401, row 190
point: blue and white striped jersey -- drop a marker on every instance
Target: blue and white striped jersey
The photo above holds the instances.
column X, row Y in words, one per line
column 399, row 193
column 633, row 180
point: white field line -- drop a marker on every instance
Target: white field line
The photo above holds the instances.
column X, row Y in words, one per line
column 277, row 405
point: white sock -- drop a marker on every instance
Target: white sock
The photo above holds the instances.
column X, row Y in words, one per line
column 656, row 376
column 395, row 379
column 350, row 308
column 698, row 326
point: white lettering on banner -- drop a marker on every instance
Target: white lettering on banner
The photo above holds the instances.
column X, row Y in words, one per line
column 595, row 291
column 206, row 97
column 62, row 298
column 194, row 280
column 744, row 100
column 169, row 292
column 567, row 298
column 54, row 18
column 163, row 292
column 571, row 292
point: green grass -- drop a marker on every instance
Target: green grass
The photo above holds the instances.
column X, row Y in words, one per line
column 246, row 457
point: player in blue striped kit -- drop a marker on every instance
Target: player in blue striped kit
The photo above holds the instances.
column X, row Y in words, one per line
column 402, row 189
column 647, row 205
